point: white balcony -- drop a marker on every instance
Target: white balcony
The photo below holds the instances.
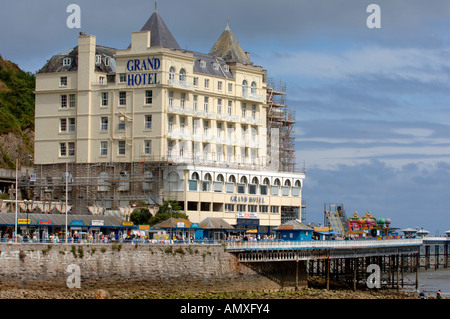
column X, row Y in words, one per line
column 180, row 84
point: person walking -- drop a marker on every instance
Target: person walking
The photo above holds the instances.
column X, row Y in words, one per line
column 438, row 294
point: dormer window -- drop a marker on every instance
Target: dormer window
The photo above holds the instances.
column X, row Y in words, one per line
column 67, row 61
column 98, row 59
column 226, row 68
column 215, row 66
column 202, row 64
column 107, row 61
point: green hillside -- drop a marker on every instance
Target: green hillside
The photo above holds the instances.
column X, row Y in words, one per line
column 16, row 115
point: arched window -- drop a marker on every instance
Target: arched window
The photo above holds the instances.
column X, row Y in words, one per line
column 193, row 182
column 195, row 176
column 244, row 88
column 243, row 180
column 172, row 73
column 253, row 88
column 206, row 183
column 220, row 178
column 182, row 75
column 287, row 183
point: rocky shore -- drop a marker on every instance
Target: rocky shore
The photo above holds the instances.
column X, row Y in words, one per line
column 117, row 293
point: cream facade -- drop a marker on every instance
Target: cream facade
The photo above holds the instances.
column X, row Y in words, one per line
column 181, row 125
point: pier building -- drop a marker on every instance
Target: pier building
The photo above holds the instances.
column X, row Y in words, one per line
column 153, row 122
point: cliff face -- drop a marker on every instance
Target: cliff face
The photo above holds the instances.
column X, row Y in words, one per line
column 16, row 115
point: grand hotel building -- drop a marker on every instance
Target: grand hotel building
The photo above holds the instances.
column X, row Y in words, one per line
column 154, row 122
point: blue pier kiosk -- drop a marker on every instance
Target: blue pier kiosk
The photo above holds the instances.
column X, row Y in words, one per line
column 294, row 230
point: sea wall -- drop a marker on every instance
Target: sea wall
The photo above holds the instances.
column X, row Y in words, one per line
column 155, row 267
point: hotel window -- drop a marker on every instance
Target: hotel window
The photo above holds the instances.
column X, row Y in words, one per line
column 101, row 80
column 148, row 97
column 182, row 75
column 72, row 100
column 252, row 208
column 170, row 127
column 244, row 88
column 253, row 111
column 63, row 81
column 147, row 147
column 98, row 59
column 241, row 188
column 104, row 98
column 121, row 125
column 230, row 107
column 195, row 102
column 122, row 98
column 219, row 130
column 121, row 150
column 196, row 81
column 230, row 87
column 206, row 83
column 172, row 74
column 205, row 104
column 193, row 182
column 195, row 126
column 122, row 77
column 103, row 148
column 219, row 106
column 263, row 209
column 243, row 109
column 71, row 125
column 205, row 127
column 107, row 61
column 219, row 85
column 182, row 124
column 202, row 63
column 252, row 189
column 63, row 125
column 229, row 207
column 253, row 88
column 71, row 148
column 67, row 61
column 104, row 124
column 170, row 98
column 182, row 100
column 148, row 122
column 274, row 209
column 62, row 149
column 63, row 101
column 240, row 208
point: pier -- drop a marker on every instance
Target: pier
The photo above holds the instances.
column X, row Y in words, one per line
column 434, row 253
column 347, row 262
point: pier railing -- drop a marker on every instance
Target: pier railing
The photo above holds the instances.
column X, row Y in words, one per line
column 321, row 244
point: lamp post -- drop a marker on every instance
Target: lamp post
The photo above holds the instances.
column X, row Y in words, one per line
column 171, row 221
column 27, row 202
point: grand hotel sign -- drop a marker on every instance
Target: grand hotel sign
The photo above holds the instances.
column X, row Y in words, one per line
column 148, row 77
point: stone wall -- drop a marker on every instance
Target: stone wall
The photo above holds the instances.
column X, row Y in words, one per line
column 153, row 267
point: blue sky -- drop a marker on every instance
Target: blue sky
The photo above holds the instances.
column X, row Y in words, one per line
column 372, row 105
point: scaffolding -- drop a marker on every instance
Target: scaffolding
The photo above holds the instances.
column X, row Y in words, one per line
column 101, row 188
column 280, row 127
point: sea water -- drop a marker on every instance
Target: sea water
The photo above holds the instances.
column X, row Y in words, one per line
column 431, row 281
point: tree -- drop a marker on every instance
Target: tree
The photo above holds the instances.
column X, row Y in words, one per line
column 140, row 216
column 165, row 212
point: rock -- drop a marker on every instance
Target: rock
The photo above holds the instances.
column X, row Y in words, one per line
column 101, row 294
